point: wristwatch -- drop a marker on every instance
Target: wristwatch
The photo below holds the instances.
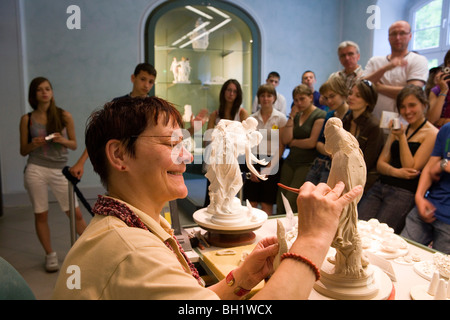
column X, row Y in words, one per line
column 444, row 163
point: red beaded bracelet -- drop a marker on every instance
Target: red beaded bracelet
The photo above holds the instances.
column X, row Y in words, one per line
column 300, row 258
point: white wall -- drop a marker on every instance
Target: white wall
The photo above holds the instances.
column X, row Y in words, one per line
column 12, row 96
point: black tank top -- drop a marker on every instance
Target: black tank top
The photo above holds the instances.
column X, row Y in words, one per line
column 408, row 184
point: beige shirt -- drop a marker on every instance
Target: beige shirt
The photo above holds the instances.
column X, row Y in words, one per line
column 351, row 78
column 114, row 261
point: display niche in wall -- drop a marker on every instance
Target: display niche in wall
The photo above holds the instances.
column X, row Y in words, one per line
column 196, row 49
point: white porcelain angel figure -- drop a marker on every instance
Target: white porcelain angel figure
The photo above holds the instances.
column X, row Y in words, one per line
column 348, row 166
column 184, row 70
column 200, row 44
column 230, row 139
column 175, row 68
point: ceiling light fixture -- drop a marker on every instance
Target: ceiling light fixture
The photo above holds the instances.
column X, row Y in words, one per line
column 204, row 24
column 220, row 13
column 220, row 25
column 207, row 16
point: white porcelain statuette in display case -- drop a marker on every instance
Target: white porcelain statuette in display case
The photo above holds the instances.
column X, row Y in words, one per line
column 200, row 37
column 174, row 68
column 181, row 70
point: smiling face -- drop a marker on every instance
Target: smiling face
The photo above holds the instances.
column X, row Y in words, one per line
column 159, row 163
column 411, row 109
column 130, row 143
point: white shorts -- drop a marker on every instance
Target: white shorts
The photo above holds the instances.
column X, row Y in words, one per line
column 37, row 179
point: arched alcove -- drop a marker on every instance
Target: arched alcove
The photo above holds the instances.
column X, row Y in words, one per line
column 219, row 41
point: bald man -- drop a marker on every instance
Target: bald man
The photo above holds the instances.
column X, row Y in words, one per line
column 393, row 72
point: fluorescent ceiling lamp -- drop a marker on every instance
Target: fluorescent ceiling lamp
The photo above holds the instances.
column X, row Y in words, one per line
column 204, row 24
column 207, row 16
column 220, row 25
column 220, row 13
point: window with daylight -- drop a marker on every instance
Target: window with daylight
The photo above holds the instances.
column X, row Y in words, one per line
column 430, row 25
column 427, row 26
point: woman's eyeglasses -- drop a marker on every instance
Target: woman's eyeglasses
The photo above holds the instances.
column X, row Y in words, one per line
column 177, row 145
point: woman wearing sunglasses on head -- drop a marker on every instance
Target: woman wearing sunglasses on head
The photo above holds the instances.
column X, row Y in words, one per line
column 364, row 126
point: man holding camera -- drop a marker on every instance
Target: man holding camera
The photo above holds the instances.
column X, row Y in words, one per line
column 391, row 73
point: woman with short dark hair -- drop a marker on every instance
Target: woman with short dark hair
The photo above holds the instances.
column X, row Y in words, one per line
column 128, row 251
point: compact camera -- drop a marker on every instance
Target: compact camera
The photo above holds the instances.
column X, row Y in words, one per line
column 446, row 72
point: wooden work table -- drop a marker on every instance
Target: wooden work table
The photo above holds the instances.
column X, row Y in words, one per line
column 404, row 276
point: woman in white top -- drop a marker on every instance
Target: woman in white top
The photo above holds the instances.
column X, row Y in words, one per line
column 270, row 121
column 230, row 99
column 230, row 104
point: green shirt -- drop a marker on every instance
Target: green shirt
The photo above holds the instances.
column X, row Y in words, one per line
column 299, row 156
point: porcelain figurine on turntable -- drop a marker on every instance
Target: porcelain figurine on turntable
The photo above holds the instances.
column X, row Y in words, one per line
column 229, row 140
